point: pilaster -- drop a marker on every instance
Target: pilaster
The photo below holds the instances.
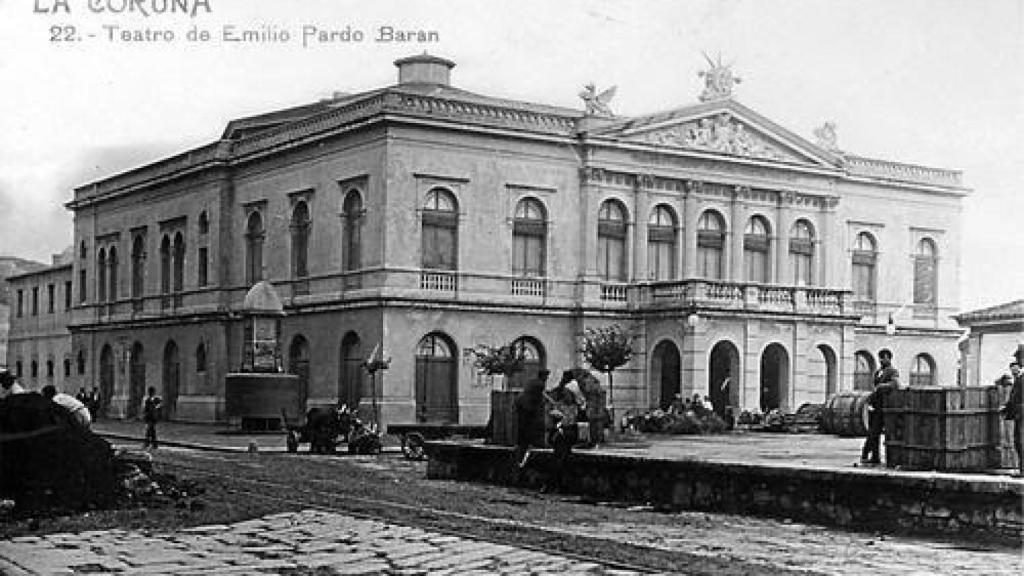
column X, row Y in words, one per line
column 734, row 255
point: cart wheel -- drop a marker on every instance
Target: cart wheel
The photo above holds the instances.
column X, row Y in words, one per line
column 412, row 446
column 292, row 441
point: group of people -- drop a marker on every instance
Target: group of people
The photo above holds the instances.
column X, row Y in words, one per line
column 82, row 408
column 566, row 407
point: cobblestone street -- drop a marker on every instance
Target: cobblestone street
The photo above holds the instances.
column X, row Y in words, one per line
column 308, row 542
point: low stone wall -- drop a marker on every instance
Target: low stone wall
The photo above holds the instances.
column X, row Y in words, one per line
column 863, row 499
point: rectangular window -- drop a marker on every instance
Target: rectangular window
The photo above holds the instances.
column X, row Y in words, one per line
column 35, row 301
column 709, row 263
column 204, row 257
column 528, row 255
column 21, row 303
column 661, row 263
column 924, row 281
column 67, row 295
column 81, row 285
column 801, row 264
column 438, row 247
column 864, row 282
column 51, row 296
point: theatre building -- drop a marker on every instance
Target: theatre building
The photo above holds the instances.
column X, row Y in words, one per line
column 753, row 265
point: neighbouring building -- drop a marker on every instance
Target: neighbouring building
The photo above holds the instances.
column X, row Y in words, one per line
column 754, row 265
column 39, row 347
column 10, row 265
column 995, row 335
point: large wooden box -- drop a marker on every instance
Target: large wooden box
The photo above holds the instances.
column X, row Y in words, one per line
column 937, row 428
column 504, row 423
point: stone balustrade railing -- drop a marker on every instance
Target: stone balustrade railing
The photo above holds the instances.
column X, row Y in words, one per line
column 747, row 296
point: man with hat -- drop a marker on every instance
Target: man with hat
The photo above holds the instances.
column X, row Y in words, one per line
column 887, row 379
column 1014, row 410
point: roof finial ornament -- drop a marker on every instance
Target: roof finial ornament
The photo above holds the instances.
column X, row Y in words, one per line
column 718, row 80
column 825, row 136
column 597, row 104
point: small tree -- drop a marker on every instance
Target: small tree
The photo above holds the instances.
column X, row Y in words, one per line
column 493, row 360
column 606, row 349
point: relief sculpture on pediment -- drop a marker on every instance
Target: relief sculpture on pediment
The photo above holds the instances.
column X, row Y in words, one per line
column 720, row 133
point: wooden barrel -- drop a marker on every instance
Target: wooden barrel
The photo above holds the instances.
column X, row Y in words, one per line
column 943, row 428
column 846, row 413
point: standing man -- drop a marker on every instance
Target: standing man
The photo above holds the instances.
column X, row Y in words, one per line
column 94, row 402
column 887, row 379
column 529, row 408
column 151, row 414
column 1014, row 410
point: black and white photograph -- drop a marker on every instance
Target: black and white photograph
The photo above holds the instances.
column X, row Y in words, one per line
column 416, row 287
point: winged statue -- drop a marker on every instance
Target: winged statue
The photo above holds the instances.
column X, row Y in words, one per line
column 597, row 104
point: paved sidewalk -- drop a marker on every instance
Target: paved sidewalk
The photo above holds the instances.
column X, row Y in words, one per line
column 307, row 542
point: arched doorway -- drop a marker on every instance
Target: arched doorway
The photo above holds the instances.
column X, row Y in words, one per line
column 106, row 378
column 171, row 379
column 136, row 380
column 436, row 380
column 350, row 372
column 774, row 378
column 724, row 380
column 298, row 364
column 828, row 369
column 665, row 373
column 864, row 371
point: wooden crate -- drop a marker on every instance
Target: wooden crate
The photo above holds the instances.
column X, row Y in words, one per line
column 504, row 426
column 935, row 428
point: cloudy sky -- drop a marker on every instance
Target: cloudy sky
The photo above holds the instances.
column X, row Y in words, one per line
column 934, row 82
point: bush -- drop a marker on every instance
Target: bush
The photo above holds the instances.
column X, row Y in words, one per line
column 694, row 421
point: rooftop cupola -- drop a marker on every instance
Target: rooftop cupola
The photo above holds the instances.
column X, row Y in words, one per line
column 424, row 69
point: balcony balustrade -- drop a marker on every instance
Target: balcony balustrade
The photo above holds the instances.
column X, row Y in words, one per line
column 747, row 297
column 614, row 292
column 439, row 281
column 528, row 287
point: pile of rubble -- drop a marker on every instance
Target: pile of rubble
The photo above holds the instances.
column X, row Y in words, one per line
column 50, row 464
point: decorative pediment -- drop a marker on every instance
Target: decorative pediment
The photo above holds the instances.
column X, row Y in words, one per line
column 720, row 133
column 723, row 127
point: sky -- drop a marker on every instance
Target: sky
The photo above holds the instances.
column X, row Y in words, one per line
column 932, row 82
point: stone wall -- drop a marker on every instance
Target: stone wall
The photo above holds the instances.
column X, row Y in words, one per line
column 876, row 500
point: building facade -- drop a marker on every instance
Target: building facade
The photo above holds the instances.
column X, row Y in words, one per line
column 754, row 266
column 995, row 336
column 39, row 349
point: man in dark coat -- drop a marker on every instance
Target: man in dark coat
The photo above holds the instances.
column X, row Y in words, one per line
column 886, row 380
column 530, row 417
column 1014, row 410
column 151, row 415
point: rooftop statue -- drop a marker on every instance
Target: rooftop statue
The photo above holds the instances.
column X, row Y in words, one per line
column 825, row 137
column 597, row 104
column 718, row 80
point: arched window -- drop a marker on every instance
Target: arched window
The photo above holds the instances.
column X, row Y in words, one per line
column 661, row 244
column 179, row 262
column 138, row 266
column 201, row 358
column 756, row 250
column 529, row 237
column 433, row 346
column 49, row 368
column 440, row 230
column 101, row 275
column 254, row 248
column 534, row 360
column 67, row 367
column 81, row 362
column 112, row 273
column 864, row 371
column 82, row 251
column 165, row 265
column 35, row 369
column 204, row 223
column 922, row 372
column 801, row 252
column 611, row 241
column 864, row 256
column 352, row 241
column 710, row 243
column 926, row 265
column 19, row 369
column 300, row 240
